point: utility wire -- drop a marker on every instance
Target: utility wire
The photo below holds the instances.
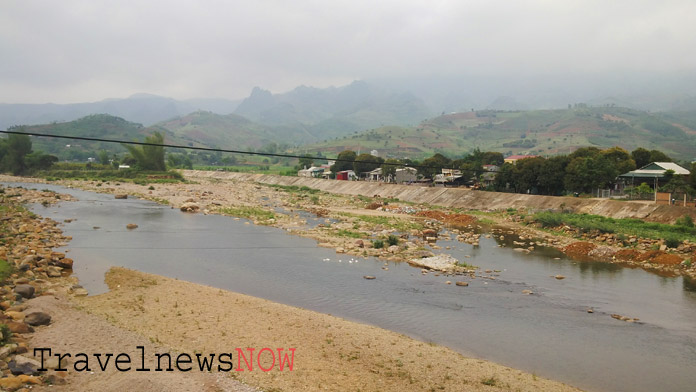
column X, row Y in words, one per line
column 267, row 154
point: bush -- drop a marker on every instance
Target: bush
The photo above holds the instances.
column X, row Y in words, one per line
column 548, row 219
column 377, row 244
column 685, row 221
column 392, row 240
column 672, row 242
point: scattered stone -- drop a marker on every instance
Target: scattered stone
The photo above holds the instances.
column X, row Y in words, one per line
column 25, row 290
column 369, row 277
column 590, row 310
column 80, row 292
column 448, row 282
column 559, row 277
column 19, row 327
column 37, row 318
column 23, row 365
column 12, row 383
column 463, row 284
column 189, row 206
column 131, row 226
column 121, row 196
column 527, row 292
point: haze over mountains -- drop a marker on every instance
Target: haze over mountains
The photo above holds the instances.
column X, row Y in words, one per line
column 362, row 113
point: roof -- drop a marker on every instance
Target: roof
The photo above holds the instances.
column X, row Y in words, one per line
column 656, row 170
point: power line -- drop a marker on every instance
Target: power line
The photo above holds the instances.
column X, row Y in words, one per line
column 210, row 149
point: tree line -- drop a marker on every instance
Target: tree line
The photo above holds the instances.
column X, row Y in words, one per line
column 582, row 171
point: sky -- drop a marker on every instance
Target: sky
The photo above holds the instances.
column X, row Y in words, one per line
column 81, row 51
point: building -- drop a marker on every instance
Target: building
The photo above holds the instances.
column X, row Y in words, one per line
column 374, row 175
column 652, row 174
column 346, row 175
column 314, row 172
column 406, row 174
column 514, row 158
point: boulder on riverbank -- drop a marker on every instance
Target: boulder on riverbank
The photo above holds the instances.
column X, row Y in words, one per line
column 441, row 262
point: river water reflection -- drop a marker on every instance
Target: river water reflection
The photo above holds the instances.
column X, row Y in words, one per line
column 548, row 333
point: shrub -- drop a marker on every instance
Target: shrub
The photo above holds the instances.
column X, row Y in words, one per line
column 392, row 240
column 685, row 221
column 672, row 242
column 377, row 244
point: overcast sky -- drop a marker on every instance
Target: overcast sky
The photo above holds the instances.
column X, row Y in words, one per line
column 76, row 51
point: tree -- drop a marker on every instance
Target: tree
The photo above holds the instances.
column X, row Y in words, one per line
column 344, row 161
column 551, row 175
column 149, row 157
column 305, row 162
column 641, row 156
column 506, row 179
column 18, row 146
column 620, row 159
column 584, row 174
column 389, row 167
column 659, row 156
column 103, row 156
column 434, row 165
column 366, row 163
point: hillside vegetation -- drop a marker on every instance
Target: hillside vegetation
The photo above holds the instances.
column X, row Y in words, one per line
column 538, row 132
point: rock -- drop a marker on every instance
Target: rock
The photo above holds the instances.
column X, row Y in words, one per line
column 590, row 310
column 23, row 365
column 131, row 226
column 559, row 277
column 121, row 196
column 25, row 290
column 7, row 350
column 527, row 292
column 340, row 250
column 441, row 262
column 80, row 292
column 54, row 379
column 37, row 318
column 369, row 277
column 448, row 282
column 66, row 263
column 393, row 249
column 14, row 315
column 15, row 382
column 19, row 327
column 460, row 283
column 360, row 244
column 189, row 206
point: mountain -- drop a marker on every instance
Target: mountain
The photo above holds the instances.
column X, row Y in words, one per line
column 538, row 132
column 229, row 131
column 103, row 126
column 334, row 111
column 141, row 108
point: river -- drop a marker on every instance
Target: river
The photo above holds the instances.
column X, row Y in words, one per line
column 549, row 333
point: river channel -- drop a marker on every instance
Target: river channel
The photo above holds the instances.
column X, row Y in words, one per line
column 549, row 333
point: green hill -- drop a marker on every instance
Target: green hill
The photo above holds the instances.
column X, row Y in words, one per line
column 97, row 126
column 539, row 132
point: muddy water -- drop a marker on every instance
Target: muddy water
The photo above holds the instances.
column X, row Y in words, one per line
column 549, row 333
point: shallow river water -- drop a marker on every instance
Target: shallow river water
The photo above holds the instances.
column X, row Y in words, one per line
column 548, row 333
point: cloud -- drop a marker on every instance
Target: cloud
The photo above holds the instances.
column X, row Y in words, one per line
column 88, row 50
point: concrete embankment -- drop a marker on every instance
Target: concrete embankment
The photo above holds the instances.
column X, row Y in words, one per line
column 470, row 199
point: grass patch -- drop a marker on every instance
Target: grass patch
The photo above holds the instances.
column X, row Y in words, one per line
column 350, row 233
column 294, row 188
column 253, row 213
column 5, row 270
column 105, row 173
column 589, row 223
column 490, row 381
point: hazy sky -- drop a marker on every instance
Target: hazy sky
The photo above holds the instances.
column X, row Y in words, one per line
column 75, row 51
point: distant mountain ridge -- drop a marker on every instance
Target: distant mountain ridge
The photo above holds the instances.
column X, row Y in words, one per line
column 334, row 111
column 145, row 109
